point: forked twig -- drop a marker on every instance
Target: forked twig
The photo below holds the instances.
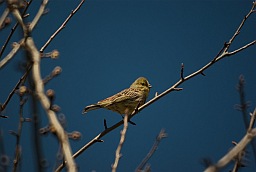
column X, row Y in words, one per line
column 240, row 27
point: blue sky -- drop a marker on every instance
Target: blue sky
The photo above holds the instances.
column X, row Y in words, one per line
column 106, row 46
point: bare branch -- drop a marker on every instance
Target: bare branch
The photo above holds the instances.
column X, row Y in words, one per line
column 62, row 26
column 241, row 48
column 122, row 139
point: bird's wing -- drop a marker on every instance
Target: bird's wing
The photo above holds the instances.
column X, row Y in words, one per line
column 130, row 94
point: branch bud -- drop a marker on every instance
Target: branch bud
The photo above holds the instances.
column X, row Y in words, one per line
column 50, row 93
column 56, row 71
column 22, row 90
column 55, row 54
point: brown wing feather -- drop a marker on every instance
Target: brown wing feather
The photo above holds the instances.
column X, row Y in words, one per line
column 129, row 93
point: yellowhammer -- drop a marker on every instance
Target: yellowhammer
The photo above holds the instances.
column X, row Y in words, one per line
column 127, row 100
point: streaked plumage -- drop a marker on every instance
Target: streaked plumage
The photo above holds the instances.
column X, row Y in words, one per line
column 125, row 101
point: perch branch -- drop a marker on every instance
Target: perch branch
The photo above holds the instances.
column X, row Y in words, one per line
column 221, row 55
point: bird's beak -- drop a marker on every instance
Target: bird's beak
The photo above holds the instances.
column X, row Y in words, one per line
column 149, row 86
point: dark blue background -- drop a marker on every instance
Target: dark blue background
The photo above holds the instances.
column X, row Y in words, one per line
column 106, row 46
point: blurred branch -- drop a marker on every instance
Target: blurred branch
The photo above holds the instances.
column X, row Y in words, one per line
column 18, row 17
column 18, row 134
column 221, row 55
column 39, row 161
column 243, row 104
column 22, row 79
column 16, row 47
column 4, row 15
column 243, row 108
column 38, row 15
column 39, row 87
column 62, row 26
column 251, row 133
column 13, row 30
column 122, row 139
column 56, row 71
column 160, row 136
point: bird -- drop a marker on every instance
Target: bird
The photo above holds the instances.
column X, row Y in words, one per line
column 126, row 101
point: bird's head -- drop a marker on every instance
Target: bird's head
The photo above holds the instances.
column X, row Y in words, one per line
column 141, row 82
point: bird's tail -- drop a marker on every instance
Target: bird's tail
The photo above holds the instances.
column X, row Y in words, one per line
column 91, row 107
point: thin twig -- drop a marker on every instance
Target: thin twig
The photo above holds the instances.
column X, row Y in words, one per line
column 122, row 139
column 240, row 27
column 182, row 71
column 160, row 136
column 15, row 88
column 241, row 48
column 62, row 26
